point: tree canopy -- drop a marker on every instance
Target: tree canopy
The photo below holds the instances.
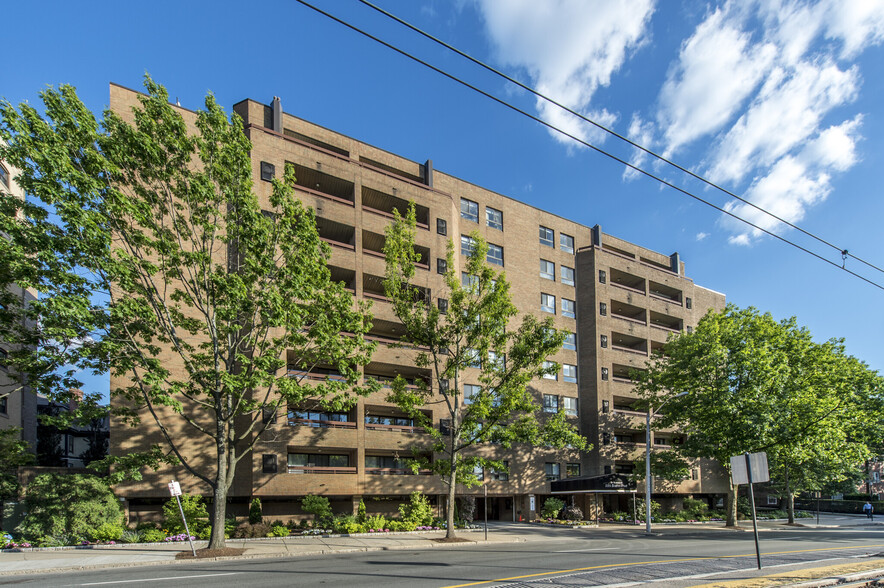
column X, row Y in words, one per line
column 471, row 334
column 744, row 382
column 206, row 296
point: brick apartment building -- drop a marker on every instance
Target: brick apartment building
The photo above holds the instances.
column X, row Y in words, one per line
column 619, row 301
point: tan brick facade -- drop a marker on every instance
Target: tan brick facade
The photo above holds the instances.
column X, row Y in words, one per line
column 353, row 187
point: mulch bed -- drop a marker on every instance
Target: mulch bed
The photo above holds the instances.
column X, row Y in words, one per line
column 201, row 553
column 453, row 540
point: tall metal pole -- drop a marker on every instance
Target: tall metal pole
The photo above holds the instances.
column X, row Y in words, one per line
column 752, row 502
column 186, row 529
column 648, row 473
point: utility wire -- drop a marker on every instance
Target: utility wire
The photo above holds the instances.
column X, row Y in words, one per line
column 581, row 141
column 844, row 252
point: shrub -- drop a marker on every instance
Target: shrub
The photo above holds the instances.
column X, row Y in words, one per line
column 205, row 533
column 278, row 531
column 318, row 506
column 229, row 526
column 152, row 536
column 640, row 509
column 72, row 504
column 551, row 508
column 146, row 525
column 130, row 537
column 376, row 522
column 248, row 530
column 255, row 514
column 56, row 541
column 417, row 510
column 572, row 513
column 467, row 506
column 360, row 512
column 194, row 510
column 107, row 532
column 695, row 507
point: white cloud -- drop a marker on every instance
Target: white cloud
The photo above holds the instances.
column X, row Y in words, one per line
column 569, row 48
column 717, row 69
column 641, row 132
column 702, row 236
column 857, row 23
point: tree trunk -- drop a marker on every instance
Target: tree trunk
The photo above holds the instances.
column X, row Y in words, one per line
column 452, row 487
column 732, row 506
column 790, row 500
column 219, row 506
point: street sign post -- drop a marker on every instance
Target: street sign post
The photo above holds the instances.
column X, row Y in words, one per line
column 175, row 490
column 748, row 469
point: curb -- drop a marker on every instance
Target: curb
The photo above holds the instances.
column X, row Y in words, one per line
column 835, row 580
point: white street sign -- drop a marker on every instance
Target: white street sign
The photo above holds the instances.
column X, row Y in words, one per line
column 758, row 463
column 174, row 489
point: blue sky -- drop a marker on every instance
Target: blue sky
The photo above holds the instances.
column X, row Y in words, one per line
column 779, row 101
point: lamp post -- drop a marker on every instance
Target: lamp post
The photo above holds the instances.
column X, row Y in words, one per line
column 651, row 413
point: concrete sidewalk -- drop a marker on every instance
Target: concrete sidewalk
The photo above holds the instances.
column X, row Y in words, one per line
column 60, row 559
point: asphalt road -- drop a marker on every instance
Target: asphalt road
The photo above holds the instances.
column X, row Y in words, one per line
column 590, row 557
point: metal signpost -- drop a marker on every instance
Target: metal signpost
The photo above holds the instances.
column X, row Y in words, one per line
column 750, row 468
column 485, row 489
column 175, row 490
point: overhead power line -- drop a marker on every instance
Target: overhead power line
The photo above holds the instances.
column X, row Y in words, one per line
column 844, row 252
column 583, row 142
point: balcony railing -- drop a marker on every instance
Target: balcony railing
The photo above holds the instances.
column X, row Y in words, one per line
column 629, row 319
column 630, row 288
column 322, row 424
column 315, row 376
column 395, row 428
column 308, row 469
column 396, row 472
column 629, row 350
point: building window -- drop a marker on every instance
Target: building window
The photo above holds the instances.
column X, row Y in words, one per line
column 572, row 470
column 604, row 341
column 474, row 358
column 4, row 405
column 479, row 472
column 695, row 473
column 547, row 237
column 688, row 303
column 268, row 171
column 268, row 463
column 4, row 356
column 690, row 330
column 624, row 468
column 604, row 374
column 550, row 403
column 553, row 373
column 606, row 406
column 570, row 342
column 299, row 463
column 470, row 391
column 568, row 308
column 603, row 309
column 603, row 277
column 441, row 265
column 469, row 281
column 569, row 373
column 606, row 440
column 566, row 243
column 607, row 469
column 570, row 405
column 552, row 471
column 501, row 476
column 268, row 416
column 443, row 305
column 4, row 176
column 494, row 218
column 495, row 254
column 441, row 226
column 469, row 210
column 547, row 270
column 567, row 275
column 548, row 303
column 467, row 245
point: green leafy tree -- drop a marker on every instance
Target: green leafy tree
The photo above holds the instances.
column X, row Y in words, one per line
column 164, row 224
column 744, row 382
column 194, row 511
column 318, row 506
column 14, row 453
column 473, row 332
column 255, row 514
column 68, row 504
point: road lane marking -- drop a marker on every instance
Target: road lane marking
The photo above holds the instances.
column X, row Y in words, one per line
column 160, row 579
column 662, row 561
column 587, row 549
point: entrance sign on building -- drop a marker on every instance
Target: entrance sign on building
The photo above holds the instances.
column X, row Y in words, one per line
column 757, row 462
column 532, row 504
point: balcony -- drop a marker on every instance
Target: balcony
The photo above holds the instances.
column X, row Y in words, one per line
column 323, row 185
column 664, row 293
column 347, row 277
column 336, row 234
column 628, row 312
column 385, row 373
column 316, row 374
column 384, row 204
column 627, row 406
column 391, row 465
column 320, row 470
column 629, row 344
column 373, row 244
column 373, row 288
column 666, row 322
column 629, row 282
column 622, row 373
column 389, row 169
column 320, row 419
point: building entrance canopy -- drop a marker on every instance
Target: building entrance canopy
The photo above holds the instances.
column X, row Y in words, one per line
column 606, row 484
